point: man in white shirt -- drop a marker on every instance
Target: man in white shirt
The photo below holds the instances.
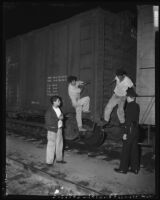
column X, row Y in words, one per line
column 123, row 82
column 80, row 104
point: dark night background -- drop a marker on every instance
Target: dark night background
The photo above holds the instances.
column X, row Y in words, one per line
column 22, row 17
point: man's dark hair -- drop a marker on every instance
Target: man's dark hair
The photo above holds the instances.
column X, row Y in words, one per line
column 131, row 93
column 120, row 72
column 71, row 78
column 54, row 98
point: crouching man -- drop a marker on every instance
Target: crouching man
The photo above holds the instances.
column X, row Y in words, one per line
column 80, row 104
column 54, row 124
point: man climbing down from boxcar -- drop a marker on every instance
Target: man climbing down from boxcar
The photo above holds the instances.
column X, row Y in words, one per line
column 80, row 104
column 130, row 152
column 54, row 124
column 123, row 82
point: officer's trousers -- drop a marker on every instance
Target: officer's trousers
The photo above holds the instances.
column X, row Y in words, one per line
column 82, row 105
column 130, row 153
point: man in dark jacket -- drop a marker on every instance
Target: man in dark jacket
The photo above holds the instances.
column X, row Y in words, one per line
column 54, row 124
column 130, row 154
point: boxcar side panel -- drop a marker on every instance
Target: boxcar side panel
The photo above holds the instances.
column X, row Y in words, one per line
column 56, row 63
column 146, row 65
column 28, row 72
column 99, row 65
column 119, row 51
column 87, row 27
column 38, row 84
column 13, row 97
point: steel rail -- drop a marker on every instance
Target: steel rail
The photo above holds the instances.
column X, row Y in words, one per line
column 47, row 174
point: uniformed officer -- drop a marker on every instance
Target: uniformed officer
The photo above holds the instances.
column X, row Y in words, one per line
column 130, row 153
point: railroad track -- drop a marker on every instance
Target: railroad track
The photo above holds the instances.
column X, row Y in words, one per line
column 50, row 176
column 16, row 126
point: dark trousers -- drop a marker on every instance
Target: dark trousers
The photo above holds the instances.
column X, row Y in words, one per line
column 130, row 153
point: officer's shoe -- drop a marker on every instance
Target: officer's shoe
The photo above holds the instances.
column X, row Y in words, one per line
column 118, row 170
column 49, row 165
column 133, row 171
column 61, row 161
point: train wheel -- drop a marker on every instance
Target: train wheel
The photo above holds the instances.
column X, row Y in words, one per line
column 71, row 130
column 93, row 138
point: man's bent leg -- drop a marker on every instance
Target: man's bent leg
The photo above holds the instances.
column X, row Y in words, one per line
column 79, row 115
column 109, row 107
column 79, row 118
column 85, row 103
column 120, row 110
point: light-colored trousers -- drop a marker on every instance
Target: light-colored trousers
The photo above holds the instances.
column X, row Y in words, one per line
column 54, row 146
column 82, row 105
column 114, row 100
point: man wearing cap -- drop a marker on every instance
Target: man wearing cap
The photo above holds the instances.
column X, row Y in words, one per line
column 130, row 153
column 123, row 82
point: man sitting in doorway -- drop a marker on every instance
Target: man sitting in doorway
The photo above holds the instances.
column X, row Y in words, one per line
column 80, row 104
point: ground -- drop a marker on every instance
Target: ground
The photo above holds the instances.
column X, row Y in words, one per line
column 89, row 167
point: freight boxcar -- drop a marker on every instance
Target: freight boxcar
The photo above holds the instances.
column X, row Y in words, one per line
column 146, row 61
column 90, row 45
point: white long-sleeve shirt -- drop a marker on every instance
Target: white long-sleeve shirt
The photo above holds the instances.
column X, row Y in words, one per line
column 122, row 86
column 58, row 113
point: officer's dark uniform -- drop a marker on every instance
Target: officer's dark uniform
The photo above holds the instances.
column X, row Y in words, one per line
column 130, row 153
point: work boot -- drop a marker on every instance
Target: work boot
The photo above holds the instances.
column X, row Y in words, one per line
column 49, row 165
column 103, row 122
column 106, row 124
column 82, row 129
column 118, row 170
column 134, row 171
column 122, row 125
column 61, row 161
